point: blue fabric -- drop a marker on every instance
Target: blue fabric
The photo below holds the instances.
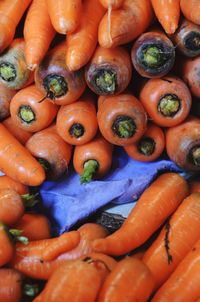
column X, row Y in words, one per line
column 67, row 201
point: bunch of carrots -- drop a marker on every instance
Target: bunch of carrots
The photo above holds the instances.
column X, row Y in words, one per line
column 78, row 79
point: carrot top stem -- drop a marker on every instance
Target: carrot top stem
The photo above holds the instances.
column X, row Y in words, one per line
column 55, row 85
column 90, row 168
column 105, row 80
column 124, row 126
column 169, row 105
column 30, row 290
column 7, row 71
column 146, row 146
column 16, row 236
column 76, row 130
column 26, row 114
column 195, row 155
column 192, row 40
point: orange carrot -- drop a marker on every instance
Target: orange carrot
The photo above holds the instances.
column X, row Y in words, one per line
column 167, row 13
column 190, row 73
column 10, row 285
column 16, row 161
column 191, row 10
column 7, row 248
column 156, row 203
column 194, row 185
column 113, row 3
column 65, row 15
column 8, row 183
column 82, row 42
column 38, row 33
column 11, row 12
column 20, row 134
column 6, row 95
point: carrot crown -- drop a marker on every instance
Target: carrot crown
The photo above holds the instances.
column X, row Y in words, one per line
column 124, row 126
column 76, row 130
column 55, row 86
column 26, row 114
column 104, row 80
column 194, row 155
column 192, row 40
column 169, row 105
column 8, row 71
column 146, row 146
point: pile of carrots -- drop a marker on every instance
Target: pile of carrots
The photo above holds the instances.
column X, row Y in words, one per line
column 77, row 79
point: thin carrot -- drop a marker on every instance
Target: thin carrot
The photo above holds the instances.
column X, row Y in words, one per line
column 113, row 3
column 65, row 15
column 155, row 204
column 82, row 42
column 126, row 23
column 183, row 285
column 189, row 71
column 129, row 281
column 7, row 248
column 11, row 282
column 16, row 161
column 38, row 33
column 167, row 13
column 8, row 183
column 6, row 95
column 11, row 12
column 29, row 113
column 20, row 134
column 191, row 10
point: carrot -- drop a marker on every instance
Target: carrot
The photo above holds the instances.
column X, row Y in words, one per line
column 153, row 54
column 7, row 248
column 11, row 12
column 77, row 123
column 8, row 183
column 167, row 13
column 122, row 119
column 93, row 160
column 190, row 73
column 166, row 100
column 126, row 23
column 65, row 15
column 113, row 3
column 28, row 113
column 14, row 73
column 82, row 42
column 129, row 281
column 16, row 161
column 11, row 282
column 55, row 80
column 183, row 285
column 37, row 38
column 109, row 71
column 110, row 262
column 34, row 226
column 20, row 134
column 150, row 146
column 194, row 185
column 175, row 240
column 6, row 95
column 183, row 144
column 155, row 204
column 187, row 38
column 191, row 10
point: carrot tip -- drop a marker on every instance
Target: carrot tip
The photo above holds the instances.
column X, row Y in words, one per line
column 99, row 245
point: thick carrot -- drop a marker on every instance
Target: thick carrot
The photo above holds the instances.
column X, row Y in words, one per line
column 167, row 100
column 29, row 113
column 82, row 42
column 11, row 282
column 191, row 10
column 65, row 15
column 77, row 123
column 122, row 119
column 55, row 80
column 16, row 161
column 38, row 33
column 113, row 3
column 167, row 13
column 20, row 134
column 7, row 248
column 194, row 185
column 55, row 161
column 183, row 144
column 11, row 12
column 109, row 71
column 6, row 95
column 129, row 281
column 155, row 204
column 150, row 146
column 175, row 240
column 93, row 160
column 8, row 183
column 184, row 283
column 126, row 23
column 14, row 72
column 190, row 73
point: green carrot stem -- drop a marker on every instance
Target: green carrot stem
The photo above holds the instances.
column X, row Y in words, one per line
column 90, row 168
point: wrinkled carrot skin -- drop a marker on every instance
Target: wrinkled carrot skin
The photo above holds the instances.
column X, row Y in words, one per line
column 167, row 13
column 113, row 3
column 37, row 38
column 8, row 183
column 6, row 95
column 130, row 280
column 34, row 226
column 20, row 134
column 10, row 285
column 65, row 15
column 154, row 133
column 7, row 248
column 117, row 60
column 40, row 146
column 16, row 161
column 189, row 72
column 44, row 111
column 82, row 42
column 183, row 284
column 181, row 142
column 11, row 12
column 134, row 17
column 194, row 186
column 155, row 90
column 183, row 226
column 191, row 10
column 155, row 204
